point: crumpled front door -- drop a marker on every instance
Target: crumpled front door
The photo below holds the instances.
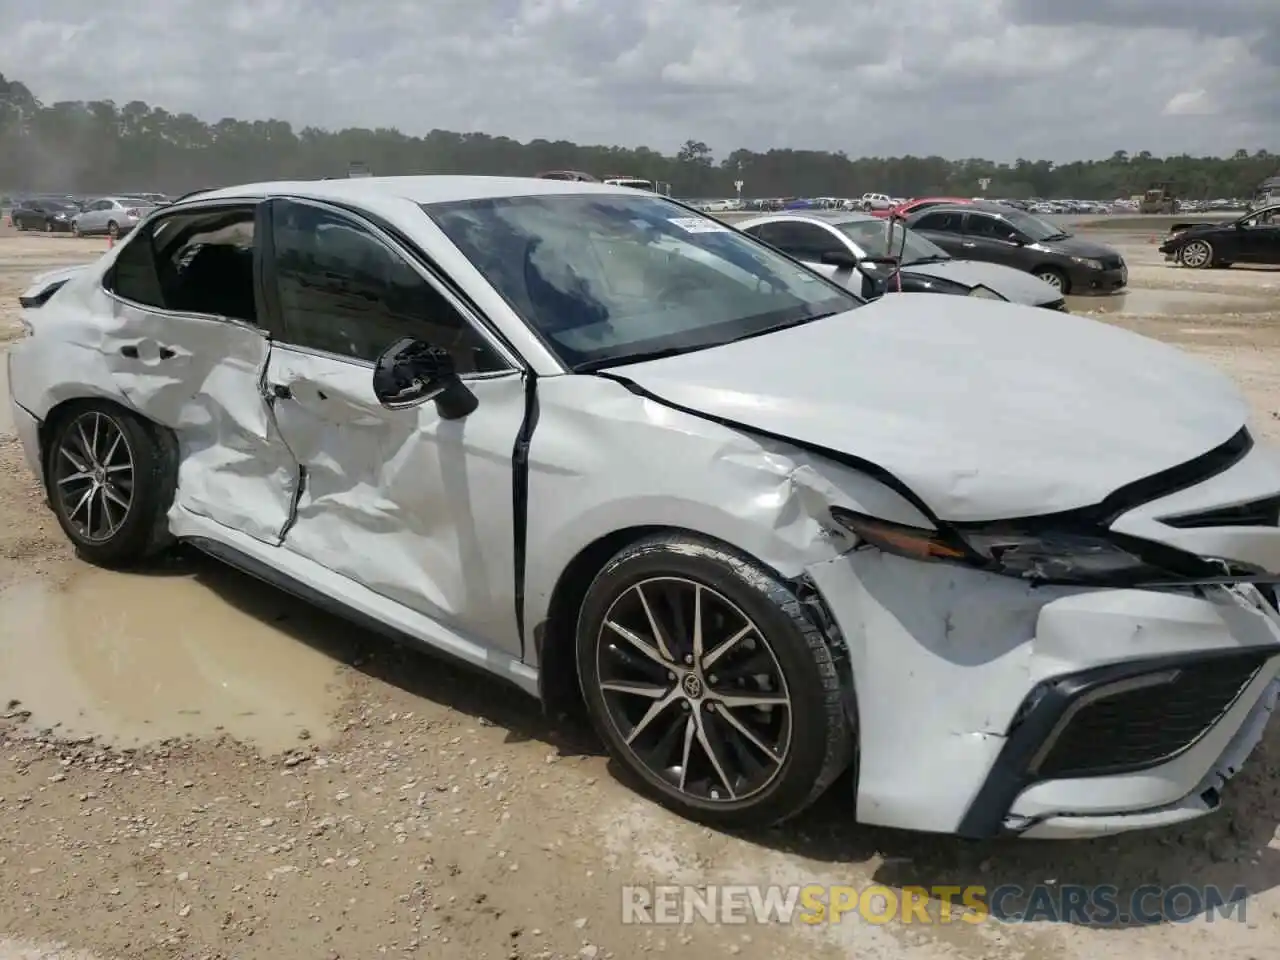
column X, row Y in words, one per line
column 414, row 507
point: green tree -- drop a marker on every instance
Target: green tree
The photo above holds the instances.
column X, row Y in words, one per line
column 101, row 146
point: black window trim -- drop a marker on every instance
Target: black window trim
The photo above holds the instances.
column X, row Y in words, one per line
column 515, row 363
column 145, row 230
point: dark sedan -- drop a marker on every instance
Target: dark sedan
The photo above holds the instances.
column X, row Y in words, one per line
column 1253, row 238
column 45, row 215
column 1018, row 239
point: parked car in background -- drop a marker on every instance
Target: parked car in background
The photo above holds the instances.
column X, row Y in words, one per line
column 876, row 201
column 110, row 216
column 1024, row 241
column 630, row 459
column 908, row 207
column 48, row 215
column 832, row 243
column 1254, row 238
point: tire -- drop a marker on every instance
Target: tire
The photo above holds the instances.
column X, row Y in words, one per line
column 48, row 226
column 1197, row 254
column 22, row 227
column 125, row 447
column 113, row 230
column 810, row 736
column 75, row 230
column 1054, row 277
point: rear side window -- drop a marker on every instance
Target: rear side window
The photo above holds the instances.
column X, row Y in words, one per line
column 199, row 261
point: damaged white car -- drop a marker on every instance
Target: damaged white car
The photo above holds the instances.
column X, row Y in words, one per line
column 1017, row 574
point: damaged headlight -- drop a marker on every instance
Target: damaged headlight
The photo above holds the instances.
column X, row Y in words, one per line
column 1041, row 558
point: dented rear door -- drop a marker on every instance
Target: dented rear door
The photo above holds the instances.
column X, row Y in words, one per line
column 187, row 347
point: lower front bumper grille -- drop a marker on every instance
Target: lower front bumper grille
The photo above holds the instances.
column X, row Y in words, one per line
column 1110, row 720
column 1145, row 720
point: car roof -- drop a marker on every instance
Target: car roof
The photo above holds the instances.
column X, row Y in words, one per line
column 822, row 216
column 421, row 189
column 958, row 208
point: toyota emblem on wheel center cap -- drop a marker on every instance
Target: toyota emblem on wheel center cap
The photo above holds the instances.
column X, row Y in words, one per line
column 691, row 686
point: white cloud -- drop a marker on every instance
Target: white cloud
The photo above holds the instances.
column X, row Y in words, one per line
column 1190, row 103
column 960, row 78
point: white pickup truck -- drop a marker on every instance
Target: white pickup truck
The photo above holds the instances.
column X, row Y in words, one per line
column 876, row 201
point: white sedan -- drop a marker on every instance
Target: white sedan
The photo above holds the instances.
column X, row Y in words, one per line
column 839, row 244
column 1017, row 574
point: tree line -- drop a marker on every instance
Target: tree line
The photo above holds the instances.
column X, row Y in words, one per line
column 99, row 146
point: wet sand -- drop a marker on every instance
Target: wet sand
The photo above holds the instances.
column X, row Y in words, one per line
column 211, row 769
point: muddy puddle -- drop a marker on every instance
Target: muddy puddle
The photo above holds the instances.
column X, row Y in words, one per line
column 1173, row 303
column 130, row 659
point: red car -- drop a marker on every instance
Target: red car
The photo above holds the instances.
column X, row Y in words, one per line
column 904, row 210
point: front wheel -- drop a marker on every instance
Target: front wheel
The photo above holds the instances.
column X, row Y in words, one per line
column 710, row 683
column 1197, row 254
column 110, row 483
column 1054, row 278
column 113, row 230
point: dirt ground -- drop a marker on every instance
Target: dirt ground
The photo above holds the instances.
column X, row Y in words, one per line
column 195, row 766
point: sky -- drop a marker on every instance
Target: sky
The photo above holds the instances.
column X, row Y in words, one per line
column 999, row 79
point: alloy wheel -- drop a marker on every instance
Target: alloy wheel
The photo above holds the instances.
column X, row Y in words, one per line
column 93, row 476
column 1195, row 254
column 1052, row 278
column 694, row 690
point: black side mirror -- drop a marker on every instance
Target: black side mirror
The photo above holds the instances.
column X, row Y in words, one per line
column 842, row 259
column 411, row 372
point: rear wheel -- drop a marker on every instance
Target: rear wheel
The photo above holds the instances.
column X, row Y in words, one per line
column 710, row 683
column 1197, row 254
column 113, row 230
column 1054, row 277
column 48, row 226
column 110, row 483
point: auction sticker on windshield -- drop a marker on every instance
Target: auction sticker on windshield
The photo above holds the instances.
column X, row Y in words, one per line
column 698, row 225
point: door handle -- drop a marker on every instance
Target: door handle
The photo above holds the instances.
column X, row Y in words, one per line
column 968, row 244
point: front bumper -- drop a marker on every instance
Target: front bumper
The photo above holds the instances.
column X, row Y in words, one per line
column 988, row 706
column 1099, row 281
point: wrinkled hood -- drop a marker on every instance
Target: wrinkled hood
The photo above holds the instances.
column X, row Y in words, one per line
column 986, row 410
column 1016, row 286
column 1078, row 247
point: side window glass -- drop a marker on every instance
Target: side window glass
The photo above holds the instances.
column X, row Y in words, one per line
column 990, row 228
column 812, row 241
column 344, row 291
column 773, row 234
column 941, row 222
column 205, row 262
column 134, row 276
column 194, row 262
column 803, row 241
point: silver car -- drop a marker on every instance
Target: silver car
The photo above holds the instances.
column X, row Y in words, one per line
column 1010, row 566
column 111, row 216
column 832, row 243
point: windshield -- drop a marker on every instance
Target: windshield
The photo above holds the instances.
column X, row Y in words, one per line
column 1033, row 227
column 872, row 238
column 610, row 278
